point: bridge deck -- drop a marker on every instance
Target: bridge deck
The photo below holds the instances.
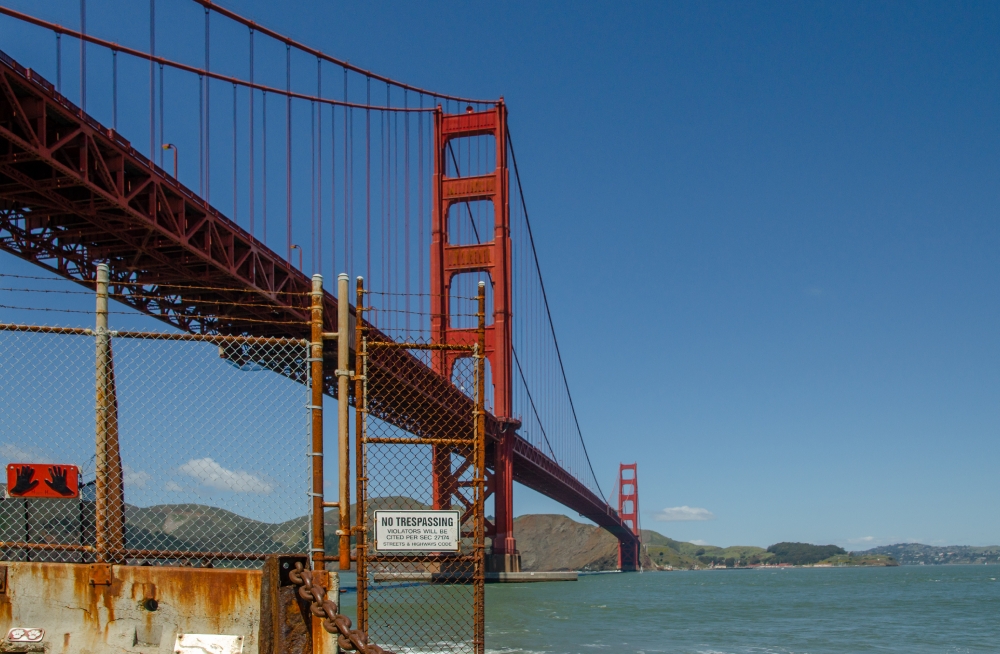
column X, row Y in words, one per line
column 74, row 193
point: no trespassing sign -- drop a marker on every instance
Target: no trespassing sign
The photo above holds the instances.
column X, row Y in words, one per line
column 417, row 531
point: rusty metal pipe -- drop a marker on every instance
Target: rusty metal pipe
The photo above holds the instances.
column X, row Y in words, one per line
column 343, row 417
column 316, row 383
column 109, row 523
column 360, row 407
column 479, row 481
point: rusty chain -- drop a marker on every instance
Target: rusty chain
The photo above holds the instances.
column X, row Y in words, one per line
column 340, row 625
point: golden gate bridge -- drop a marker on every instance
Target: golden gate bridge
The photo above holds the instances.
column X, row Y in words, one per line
column 237, row 170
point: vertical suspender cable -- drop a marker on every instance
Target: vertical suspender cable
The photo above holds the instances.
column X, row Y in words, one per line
column 333, row 189
column 349, row 198
column 83, row 56
column 162, row 140
column 420, row 202
column 152, row 87
column 114, row 90
column 368, row 184
column 319, row 169
column 406, row 207
column 263, row 164
column 348, row 217
column 312, row 184
column 208, row 120
column 384, row 196
column 251, row 128
column 288, row 152
column 201, row 136
column 235, row 204
column 59, row 61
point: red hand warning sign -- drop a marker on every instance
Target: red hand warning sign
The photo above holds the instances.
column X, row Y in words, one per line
column 36, row 480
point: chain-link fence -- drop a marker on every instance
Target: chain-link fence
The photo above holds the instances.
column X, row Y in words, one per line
column 191, row 449
column 425, row 454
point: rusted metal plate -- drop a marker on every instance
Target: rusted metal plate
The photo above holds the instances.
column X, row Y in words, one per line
column 100, row 574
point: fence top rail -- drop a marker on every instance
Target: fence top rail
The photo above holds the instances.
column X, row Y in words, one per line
column 221, row 339
column 421, row 346
column 210, row 338
column 45, row 329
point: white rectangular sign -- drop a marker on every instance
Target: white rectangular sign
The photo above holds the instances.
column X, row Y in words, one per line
column 417, row 531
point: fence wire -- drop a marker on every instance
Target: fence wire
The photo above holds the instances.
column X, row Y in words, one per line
column 216, row 426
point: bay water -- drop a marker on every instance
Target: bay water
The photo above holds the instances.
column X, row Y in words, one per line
column 913, row 609
column 948, row 609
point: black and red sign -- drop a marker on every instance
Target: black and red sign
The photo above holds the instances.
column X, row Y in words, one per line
column 43, row 480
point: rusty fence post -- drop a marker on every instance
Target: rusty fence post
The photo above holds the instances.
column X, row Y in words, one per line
column 109, row 515
column 479, row 481
column 344, row 375
column 360, row 471
column 316, row 406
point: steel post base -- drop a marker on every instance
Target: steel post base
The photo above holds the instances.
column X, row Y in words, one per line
column 503, row 562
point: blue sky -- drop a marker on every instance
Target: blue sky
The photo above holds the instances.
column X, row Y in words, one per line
column 785, row 217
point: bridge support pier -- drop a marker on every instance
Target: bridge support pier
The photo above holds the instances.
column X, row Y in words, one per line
column 504, row 557
column 628, row 556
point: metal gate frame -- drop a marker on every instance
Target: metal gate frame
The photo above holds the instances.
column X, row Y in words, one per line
column 447, row 442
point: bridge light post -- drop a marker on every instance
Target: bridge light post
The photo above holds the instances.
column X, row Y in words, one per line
column 171, row 146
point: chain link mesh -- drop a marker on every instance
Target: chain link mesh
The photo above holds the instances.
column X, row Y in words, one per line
column 422, row 455
column 217, row 425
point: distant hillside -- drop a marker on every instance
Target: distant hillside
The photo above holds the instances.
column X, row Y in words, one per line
column 917, row 554
column 546, row 542
column 556, row 542
column 803, row 553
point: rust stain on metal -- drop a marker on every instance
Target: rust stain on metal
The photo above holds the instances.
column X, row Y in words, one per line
column 89, row 605
column 100, row 574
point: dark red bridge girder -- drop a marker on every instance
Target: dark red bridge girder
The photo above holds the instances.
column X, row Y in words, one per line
column 74, row 193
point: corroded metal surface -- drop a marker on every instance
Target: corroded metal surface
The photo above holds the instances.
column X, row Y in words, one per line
column 129, row 608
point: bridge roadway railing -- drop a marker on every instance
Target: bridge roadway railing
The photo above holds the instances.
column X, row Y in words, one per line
column 74, row 193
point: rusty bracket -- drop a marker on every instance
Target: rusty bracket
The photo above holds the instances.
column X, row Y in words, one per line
column 3, row 580
column 100, row 574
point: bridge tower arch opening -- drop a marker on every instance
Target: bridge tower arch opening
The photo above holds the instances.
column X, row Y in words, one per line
column 458, row 188
column 628, row 509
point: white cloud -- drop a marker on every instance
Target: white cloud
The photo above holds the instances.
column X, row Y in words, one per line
column 864, row 540
column 211, row 474
column 698, row 542
column 18, row 454
column 135, row 478
column 683, row 514
column 173, row 487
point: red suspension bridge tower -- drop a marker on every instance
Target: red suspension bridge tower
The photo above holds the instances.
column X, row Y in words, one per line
column 494, row 258
column 628, row 509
